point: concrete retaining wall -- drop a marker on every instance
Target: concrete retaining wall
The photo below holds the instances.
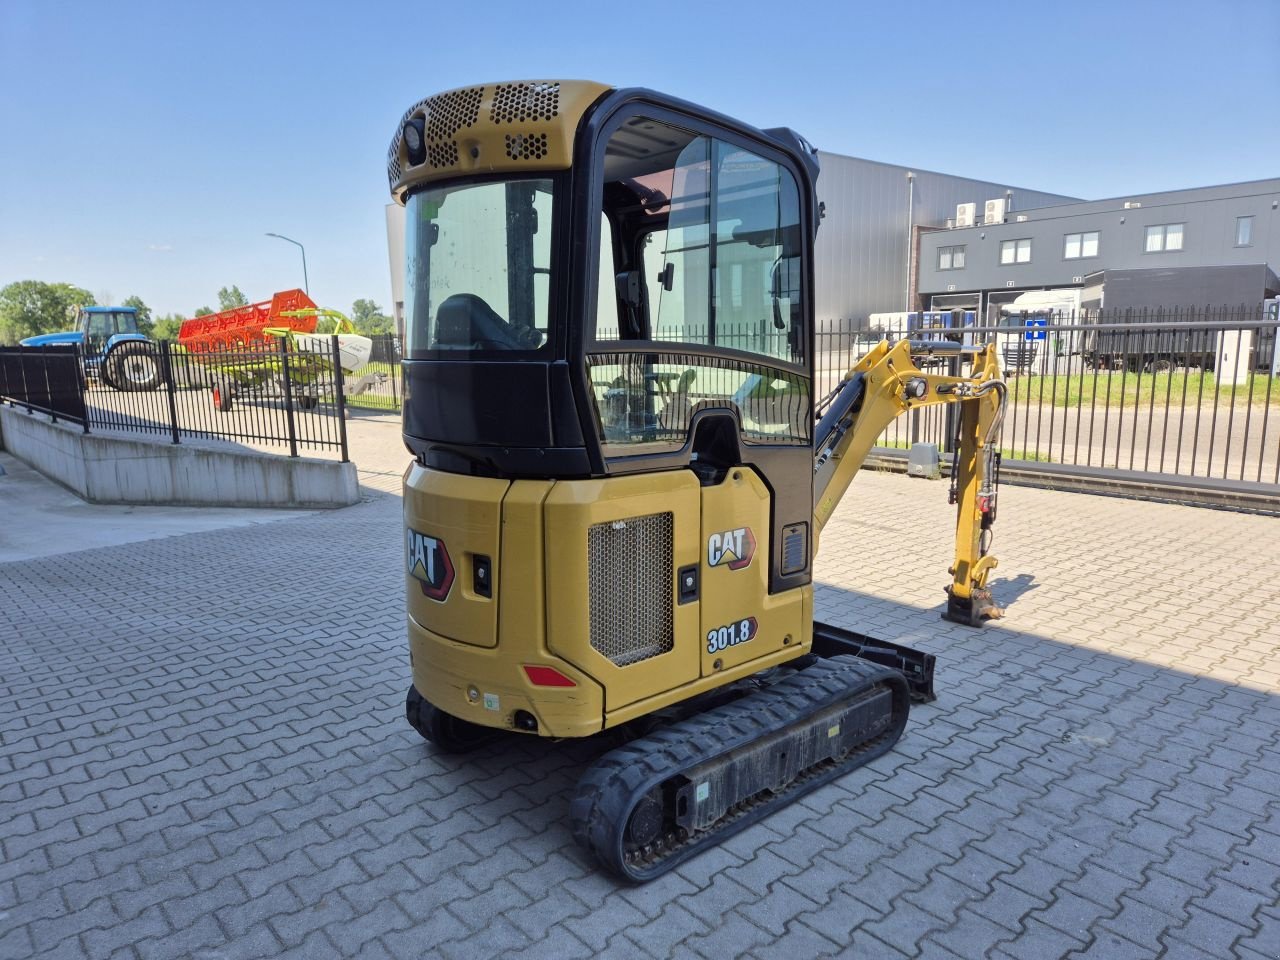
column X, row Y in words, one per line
column 108, row 469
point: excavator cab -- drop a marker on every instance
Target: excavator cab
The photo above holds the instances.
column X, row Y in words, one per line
column 620, row 468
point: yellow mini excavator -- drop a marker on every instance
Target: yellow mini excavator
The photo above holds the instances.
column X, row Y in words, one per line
column 621, row 471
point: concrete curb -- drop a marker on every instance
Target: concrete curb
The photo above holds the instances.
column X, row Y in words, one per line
column 108, row 469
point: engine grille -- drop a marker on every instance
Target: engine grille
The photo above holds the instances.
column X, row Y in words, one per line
column 630, row 564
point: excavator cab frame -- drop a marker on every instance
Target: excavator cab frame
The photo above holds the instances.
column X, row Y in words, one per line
column 619, row 481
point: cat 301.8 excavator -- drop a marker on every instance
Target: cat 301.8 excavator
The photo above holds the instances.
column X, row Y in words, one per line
column 621, row 474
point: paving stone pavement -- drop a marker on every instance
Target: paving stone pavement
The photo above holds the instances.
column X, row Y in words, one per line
column 203, row 754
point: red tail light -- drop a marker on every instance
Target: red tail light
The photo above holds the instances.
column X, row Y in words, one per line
column 547, row 677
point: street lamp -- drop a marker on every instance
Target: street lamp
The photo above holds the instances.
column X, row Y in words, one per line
column 306, row 286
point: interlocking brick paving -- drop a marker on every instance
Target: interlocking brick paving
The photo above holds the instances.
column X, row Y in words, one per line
column 203, row 754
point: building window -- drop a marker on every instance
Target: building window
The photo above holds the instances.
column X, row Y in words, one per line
column 1244, row 231
column 951, row 258
column 1015, row 251
column 1164, row 237
column 1079, row 245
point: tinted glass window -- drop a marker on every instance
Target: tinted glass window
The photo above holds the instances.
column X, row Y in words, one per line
column 708, row 254
column 478, row 270
column 718, row 241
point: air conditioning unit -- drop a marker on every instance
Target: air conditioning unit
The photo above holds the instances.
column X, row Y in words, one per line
column 965, row 213
column 994, row 212
column 1132, row 204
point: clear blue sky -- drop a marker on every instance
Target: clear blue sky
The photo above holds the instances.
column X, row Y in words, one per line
column 148, row 146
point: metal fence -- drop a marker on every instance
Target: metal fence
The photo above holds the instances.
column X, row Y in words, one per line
column 384, row 362
column 1187, row 393
column 290, row 394
column 48, row 379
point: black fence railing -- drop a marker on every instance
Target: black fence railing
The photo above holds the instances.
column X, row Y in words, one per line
column 1188, row 393
column 48, row 379
column 384, row 389
column 292, row 393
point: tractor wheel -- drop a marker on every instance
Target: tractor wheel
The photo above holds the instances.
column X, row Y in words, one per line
column 222, row 397
column 1159, row 365
column 306, row 402
column 447, row 732
column 133, row 367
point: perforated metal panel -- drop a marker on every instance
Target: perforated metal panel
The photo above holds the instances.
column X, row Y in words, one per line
column 630, row 564
column 515, row 126
column 442, row 154
column 522, row 102
column 527, row 146
column 447, row 113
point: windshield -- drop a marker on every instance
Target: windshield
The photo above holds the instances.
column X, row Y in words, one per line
column 479, row 267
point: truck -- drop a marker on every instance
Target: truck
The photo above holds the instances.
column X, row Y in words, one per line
column 1028, row 311
column 113, row 350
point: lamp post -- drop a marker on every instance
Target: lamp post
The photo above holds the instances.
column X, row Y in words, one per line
column 306, row 286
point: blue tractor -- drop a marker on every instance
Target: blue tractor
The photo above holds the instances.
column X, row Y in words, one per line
column 113, row 349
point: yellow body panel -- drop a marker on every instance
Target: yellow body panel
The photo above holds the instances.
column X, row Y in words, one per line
column 571, row 509
column 446, row 672
column 487, row 685
column 523, row 126
column 464, row 513
column 735, row 522
column 542, row 608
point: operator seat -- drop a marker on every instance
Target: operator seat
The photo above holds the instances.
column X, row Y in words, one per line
column 464, row 322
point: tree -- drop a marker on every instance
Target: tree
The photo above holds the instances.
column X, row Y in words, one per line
column 369, row 319
column 30, row 307
column 202, row 311
column 228, row 298
column 166, row 327
column 145, row 326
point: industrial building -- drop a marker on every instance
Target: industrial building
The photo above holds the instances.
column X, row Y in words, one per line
column 1203, row 247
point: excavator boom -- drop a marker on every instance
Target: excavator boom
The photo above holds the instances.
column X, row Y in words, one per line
column 886, row 383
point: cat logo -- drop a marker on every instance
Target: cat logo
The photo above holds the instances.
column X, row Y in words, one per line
column 733, row 548
column 427, row 561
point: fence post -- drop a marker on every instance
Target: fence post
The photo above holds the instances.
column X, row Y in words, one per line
column 48, row 389
column 82, row 383
column 396, row 368
column 166, row 369
column 288, row 395
column 26, row 387
column 339, row 395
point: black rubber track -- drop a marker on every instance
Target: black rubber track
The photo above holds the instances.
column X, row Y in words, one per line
column 612, row 787
column 449, row 733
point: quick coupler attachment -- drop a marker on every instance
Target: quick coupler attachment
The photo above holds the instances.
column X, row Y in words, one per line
column 973, row 610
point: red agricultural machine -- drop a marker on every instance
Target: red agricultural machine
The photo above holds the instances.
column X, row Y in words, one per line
column 241, row 349
column 244, row 328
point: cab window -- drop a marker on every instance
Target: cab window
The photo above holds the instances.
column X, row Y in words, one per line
column 704, row 254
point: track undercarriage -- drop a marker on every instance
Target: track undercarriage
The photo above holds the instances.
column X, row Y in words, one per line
column 725, row 763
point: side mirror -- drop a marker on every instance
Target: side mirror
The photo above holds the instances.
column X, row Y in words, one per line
column 668, row 276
